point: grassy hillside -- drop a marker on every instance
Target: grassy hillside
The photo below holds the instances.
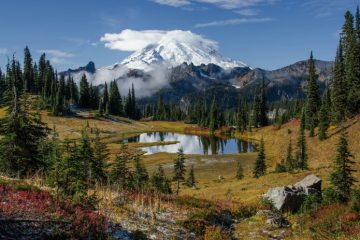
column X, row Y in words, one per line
column 209, row 168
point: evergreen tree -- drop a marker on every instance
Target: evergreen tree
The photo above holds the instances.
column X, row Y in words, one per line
column 301, row 155
column 101, row 155
column 351, row 64
column 115, row 106
column 86, row 156
column 260, row 163
column 324, row 119
column 2, row 87
column 313, row 100
column 28, row 72
column 256, row 109
column 190, row 181
column 263, row 120
column 68, row 174
column 140, row 175
column 41, row 74
column 74, row 92
column 159, row 182
column 179, row 169
column 239, row 171
column 213, row 125
column 339, row 87
column 120, row 173
column 84, row 100
column 22, row 132
column 290, row 162
column 105, row 99
column 341, row 177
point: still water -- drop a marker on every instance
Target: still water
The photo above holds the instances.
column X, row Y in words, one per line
column 193, row 144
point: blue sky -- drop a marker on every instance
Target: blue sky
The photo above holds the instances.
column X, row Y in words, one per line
column 262, row 33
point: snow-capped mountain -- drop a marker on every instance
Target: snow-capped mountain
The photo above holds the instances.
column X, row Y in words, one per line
column 172, row 50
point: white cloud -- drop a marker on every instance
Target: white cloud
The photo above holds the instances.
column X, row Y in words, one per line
column 235, row 21
column 248, row 12
column 132, row 40
column 226, row 4
column 3, row 51
column 234, row 4
column 173, row 3
column 57, row 56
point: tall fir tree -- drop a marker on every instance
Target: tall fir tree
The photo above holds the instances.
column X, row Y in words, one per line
column 22, row 132
column 105, row 99
column 191, row 181
column 140, row 174
column 290, row 162
column 339, row 87
column 120, row 174
column 324, row 120
column 213, row 125
column 179, row 169
column 115, row 106
column 84, row 100
column 239, row 171
column 28, row 72
column 341, row 177
column 301, row 152
column 260, row 163
column 101, row 155
column 351, row 64
column 313, row 100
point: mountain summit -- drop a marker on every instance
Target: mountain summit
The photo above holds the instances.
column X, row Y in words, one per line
column 177, row 47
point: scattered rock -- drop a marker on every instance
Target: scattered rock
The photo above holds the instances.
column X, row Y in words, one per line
column 290, row 198
column 310, row 181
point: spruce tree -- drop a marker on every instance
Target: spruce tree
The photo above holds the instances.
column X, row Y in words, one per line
column 260, row 163
column 263, row 120
column 323, row 119
column 22, row 132
column 239, row 171
column 351, row 64
column 140, row 174
column 105, row 99
column 115, row 106
column 84, row 100
column 191, row 181
column 213, row 125
column 313, row 100
column 120, row 174
column 256, row 109
column 179, row 169
column 101, row 155
column 301, row 154
column 341, row 177
column 86, row 156
column 339, row 87
column 290, row 162
column 159, row 181
column 28, row 72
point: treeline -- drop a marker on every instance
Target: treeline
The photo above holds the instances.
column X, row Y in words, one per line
column 59, row 92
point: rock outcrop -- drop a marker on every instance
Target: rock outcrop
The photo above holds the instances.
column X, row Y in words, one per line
column 290, row 198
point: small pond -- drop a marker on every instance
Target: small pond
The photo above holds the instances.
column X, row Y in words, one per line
column 192, row 144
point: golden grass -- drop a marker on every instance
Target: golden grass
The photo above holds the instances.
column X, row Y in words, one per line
column 209, row 168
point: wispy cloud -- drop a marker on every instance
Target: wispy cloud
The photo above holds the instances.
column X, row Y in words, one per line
column 236, row 4
column 327, row 8
column 57, row 56
column 248, row 12
column 3, row 51
column 235, row 21
column 226, row 4
column 173, row 3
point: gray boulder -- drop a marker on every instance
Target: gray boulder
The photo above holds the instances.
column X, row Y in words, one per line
column 290, row 198
column 310, row 181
